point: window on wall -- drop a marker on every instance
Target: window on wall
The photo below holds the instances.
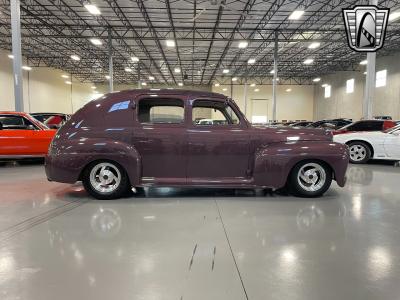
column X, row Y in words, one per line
column 350, row 86
column 327, row 91
column 381, row 78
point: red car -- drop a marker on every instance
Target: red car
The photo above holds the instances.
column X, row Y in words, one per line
column 366, row 125
column 152, row 138
column 22, row 136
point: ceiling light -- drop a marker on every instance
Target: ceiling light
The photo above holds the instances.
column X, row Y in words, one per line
column 180, row 84
column 92, row 9
column 308, row 61
column 127, row 69
column 272, row 71
column 217, row 84
column 394, row 16
column 170, row 43
column 96, row 42
column 26, row 68
column 253, row 85
column 68, row 82
column 256, row 90
column 144, row 83
column 316, row 79
column 365, row 73
column 10, row 56
column 234, row 78
column 288, row 90
column 134, row 59
column 177, row 70
column 251, row 61
column 224, row 89
column 225, row 71
column 324, row 85
column 364, row 62
column 243, row 45
column 314, row 45
column 296, row 15
column 64, row 76
column 108, row 77
column 151, row 77
column 93, row 87
column 75, row 57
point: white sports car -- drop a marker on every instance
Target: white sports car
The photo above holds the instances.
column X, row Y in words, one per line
column 372, row 145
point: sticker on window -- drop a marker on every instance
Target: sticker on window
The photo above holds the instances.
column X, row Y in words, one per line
column 119, row 106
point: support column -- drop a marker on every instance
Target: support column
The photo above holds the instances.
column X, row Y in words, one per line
column 369, row 80
column 274, row 82
column 139, row 82
column 110, row 62
column 16, row 52
column 245, row 98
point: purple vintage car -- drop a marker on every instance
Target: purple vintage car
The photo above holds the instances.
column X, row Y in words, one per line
column 158, row 137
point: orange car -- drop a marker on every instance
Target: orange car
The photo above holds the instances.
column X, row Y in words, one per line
column 22, row 136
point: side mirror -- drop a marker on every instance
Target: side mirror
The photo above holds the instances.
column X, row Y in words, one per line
column 30, row 127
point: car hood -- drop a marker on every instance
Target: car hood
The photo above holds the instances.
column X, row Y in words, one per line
column 288, row 134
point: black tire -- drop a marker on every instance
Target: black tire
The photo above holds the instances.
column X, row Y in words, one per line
column 298, row 187
column 360, row 152
column 120, row 189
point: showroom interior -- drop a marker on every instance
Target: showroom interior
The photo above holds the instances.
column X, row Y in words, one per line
column 199, row 149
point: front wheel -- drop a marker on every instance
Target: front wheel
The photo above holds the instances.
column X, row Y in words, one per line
column 310, row 179
column 360, row 153
column 105, row 180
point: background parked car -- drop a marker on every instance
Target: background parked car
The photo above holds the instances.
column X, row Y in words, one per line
column 52, row 120
column 331, row 124
column 366, row 125
column 301, row 124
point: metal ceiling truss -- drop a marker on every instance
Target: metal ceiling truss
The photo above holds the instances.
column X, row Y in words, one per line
column 206, row 34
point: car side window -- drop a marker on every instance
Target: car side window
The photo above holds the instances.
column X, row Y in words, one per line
column 367, row 126
column 216, row 113
column 161, row 111
column 15, row 122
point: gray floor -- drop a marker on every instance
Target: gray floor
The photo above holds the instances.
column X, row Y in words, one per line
column 56, row 243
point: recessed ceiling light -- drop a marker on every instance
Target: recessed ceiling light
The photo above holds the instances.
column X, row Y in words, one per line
column 296, row 15
column 256, row 90
column 364, row 62
column 177, row 70
column 75, row 57
column 134, row 59
column 324, row 85
column 68, row 82
column 108, row 77
column 64, row 76
column 127, row 69
column 92, row 9
column 365, row 73
column 217, row 84
column 170, row 43
column 272, row 71
column 253, row 85
column 96, row 42
column 288, row 90
column 394, row 16
column 243, row 44
column 316, row 79
column 144, row 83
column 225, row 71
column 234, row 79
column 308, row 61
column 26, row 68
column 224, row 89
column 314, row 45
column 251, row 61
column 151, row 77
column 10, row 56
column 180, row 84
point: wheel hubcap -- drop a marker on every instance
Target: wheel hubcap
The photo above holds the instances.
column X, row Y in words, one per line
column 105, row 178
column 358, row 152
column 311, row 177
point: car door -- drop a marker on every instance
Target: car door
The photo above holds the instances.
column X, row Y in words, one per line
column 159, row 137
column 218, row 151
column 392, row 143
column 16, row 136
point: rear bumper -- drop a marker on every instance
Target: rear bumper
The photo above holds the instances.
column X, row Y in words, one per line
column 59, row 168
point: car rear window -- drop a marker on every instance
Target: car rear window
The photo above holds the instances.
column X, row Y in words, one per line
column 161, row 111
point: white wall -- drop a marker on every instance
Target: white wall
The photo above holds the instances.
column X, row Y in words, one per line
column 44, row 89
column 341, row 104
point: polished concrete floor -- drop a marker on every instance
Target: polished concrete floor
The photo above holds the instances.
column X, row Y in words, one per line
column 57, row 243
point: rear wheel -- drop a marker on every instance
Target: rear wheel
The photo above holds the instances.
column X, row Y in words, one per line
column 105, row 180
column 310, row 179
column 360, row 152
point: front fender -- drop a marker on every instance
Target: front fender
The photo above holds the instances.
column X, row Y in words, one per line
column 66, row 161
column 273, row 162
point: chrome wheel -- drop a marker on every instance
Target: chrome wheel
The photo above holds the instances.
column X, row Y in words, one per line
column 311, row 177
column 105, row 178
column 358, row 152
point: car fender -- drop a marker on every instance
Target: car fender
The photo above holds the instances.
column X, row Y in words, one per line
column 74, row 155
column 274, row 162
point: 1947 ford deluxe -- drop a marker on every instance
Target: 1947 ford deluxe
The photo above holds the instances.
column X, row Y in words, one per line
column 155, row 137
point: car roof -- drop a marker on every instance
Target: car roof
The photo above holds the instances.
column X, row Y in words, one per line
column 167, row 92
column 18, row 113
column 47, row 113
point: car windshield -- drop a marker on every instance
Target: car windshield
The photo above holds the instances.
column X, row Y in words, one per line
column 393, row 129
